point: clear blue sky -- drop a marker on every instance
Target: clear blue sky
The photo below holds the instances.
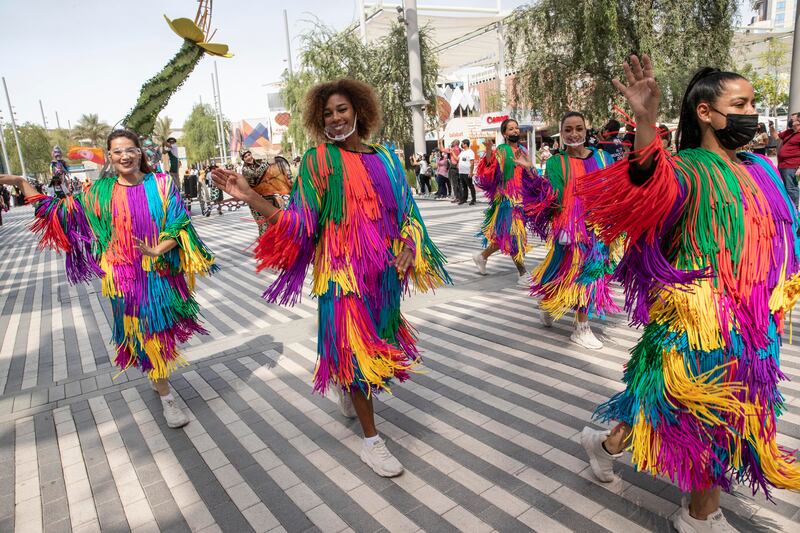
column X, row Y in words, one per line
column 92, row 56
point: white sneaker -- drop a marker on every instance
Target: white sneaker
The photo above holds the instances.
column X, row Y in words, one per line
column 346, row 404
column 546, row 318
column 378, row 457
column 480, row 262
column 715, row 523
column 599, row 459
column 173, row 414
column 583, row 336
column 524, row 281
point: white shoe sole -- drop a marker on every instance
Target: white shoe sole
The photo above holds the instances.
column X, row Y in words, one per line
column 478, row 263
column 589, row 346
column 379, row 471
column 593, row 463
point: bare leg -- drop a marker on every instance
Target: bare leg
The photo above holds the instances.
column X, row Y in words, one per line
column 704, row 503
column 365, row 412
column 581, row 316
column 520, row 268
column 489, row 251
column 615, row 442
column 162, row 386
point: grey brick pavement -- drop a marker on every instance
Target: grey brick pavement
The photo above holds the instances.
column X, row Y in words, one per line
column 488, row 430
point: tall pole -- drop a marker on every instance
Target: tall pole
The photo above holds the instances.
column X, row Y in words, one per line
column 219, row 108
column 14, row 129
column 362, row 21
column 288, row 42
column 44, row 120
column 501, row 65
column 7, row 166
column 216, row 120
column 417, row 103
column 58, row 123
column 794, row 85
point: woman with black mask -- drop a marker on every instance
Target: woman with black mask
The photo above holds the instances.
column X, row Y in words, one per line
column 711, row 271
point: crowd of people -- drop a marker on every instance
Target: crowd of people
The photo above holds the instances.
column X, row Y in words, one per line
column 702, row 237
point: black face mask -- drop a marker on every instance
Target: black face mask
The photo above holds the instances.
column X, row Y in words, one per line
column 513, row 138
column 738, row 131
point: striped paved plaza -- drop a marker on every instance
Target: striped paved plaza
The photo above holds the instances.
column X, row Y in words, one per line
column 487, row 430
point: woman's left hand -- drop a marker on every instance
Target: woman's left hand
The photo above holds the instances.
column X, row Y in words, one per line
column 404, row 260
column 523, row 160
column 145, row 249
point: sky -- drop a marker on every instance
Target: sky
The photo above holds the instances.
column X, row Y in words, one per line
column 92, row 56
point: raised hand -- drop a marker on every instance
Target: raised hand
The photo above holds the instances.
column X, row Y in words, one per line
column 641, row 91
column 232, row 183
column 522, row 159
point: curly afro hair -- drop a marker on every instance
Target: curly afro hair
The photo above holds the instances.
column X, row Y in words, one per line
column 362, row 97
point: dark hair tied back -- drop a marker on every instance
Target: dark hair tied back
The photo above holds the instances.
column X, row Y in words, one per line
column 707, row 85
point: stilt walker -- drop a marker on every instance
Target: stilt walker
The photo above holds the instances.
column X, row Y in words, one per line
column 711, row 271
column 576, row 272
column 500, row 175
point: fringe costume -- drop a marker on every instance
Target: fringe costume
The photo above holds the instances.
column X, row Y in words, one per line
column 575, row 273
column 711, row 269
column 501, row 179
column 151, row 298
column 350, row 214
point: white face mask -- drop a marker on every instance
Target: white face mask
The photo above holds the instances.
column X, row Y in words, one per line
column 577, row 143
column 343, row 136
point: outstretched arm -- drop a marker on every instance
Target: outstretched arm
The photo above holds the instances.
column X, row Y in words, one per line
column 19, row 182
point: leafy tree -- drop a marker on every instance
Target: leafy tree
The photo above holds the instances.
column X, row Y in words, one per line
column 36, row 149
column 327, row 55
column 566, row 52
column 200, row 134
column 162, row 130
column 91, row 129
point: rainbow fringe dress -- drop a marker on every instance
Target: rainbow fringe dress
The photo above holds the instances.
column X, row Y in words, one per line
column 501, row 179
column 576, row 272
column 711, row 270
column 151, row 298
column 349, row 215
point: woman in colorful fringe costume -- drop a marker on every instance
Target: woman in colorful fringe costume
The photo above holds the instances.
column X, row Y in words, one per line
column 500, row 175
column 711, row 270
column 576, row 272
column 132, row 231
column 352, row 215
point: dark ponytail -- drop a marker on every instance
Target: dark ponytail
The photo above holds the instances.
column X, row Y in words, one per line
column 706, row 86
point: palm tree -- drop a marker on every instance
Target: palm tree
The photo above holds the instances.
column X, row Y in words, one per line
column 91, row 130
column 162, row 130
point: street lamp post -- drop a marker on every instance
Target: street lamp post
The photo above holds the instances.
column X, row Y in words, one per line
column 14, row 129
column 417, row 103
column 7, row 165
column 794, row 85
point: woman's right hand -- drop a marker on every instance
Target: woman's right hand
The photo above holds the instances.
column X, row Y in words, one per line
column 641, row 91
column 232, row 183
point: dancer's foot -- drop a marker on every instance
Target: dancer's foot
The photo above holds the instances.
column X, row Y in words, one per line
column 378, row 457
column 173, row 414
column 480, row 262
column 472, row 202
column 524, row 281
column 714, row 523
column 546, row 318
column 346, row 404
column 583, row 336
column 599, row 459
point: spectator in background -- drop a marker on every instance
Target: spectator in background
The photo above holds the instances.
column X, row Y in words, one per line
column 772, row 144
column 424, row 175
column 789, row 156
column 759, row 144
column 466, row 169
column 544, row 154
column 609, row 141
column 666, row 137
column 629, row 139
column 452, row 170
column 443, row 184
column 174, row 166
